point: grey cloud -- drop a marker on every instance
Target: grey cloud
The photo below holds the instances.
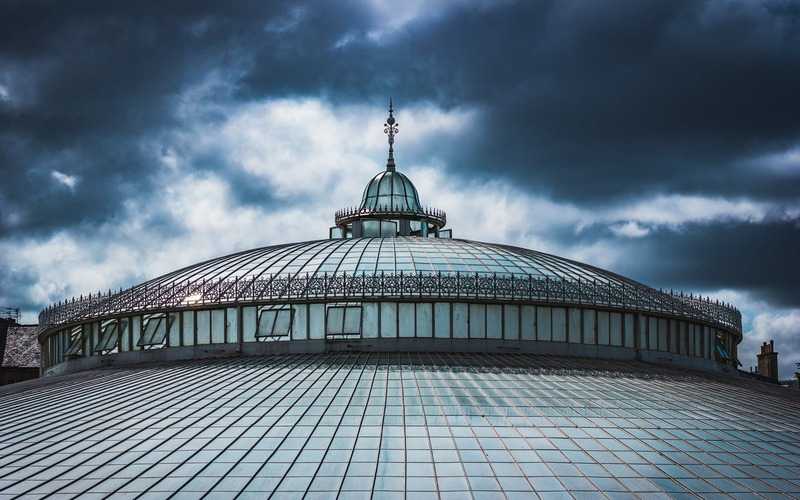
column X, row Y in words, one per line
column 588, row 103
column 756, row 258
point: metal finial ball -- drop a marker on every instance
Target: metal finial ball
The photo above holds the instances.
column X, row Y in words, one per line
column 390, row 120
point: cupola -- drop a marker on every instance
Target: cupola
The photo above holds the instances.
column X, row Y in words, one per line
column 390, row 205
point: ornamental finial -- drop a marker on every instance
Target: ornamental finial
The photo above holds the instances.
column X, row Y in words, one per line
column 390, row 128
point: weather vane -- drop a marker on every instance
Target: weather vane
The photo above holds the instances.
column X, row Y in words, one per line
column 390, row 128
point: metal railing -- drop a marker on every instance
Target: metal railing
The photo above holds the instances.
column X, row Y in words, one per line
column 345, row 215
column 624, row 297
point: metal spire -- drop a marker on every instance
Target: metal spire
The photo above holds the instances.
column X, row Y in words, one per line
column 390, row 128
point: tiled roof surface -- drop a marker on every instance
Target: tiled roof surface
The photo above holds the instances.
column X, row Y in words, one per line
column 378, row 425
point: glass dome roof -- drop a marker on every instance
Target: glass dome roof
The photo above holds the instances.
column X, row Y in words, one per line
column 391, row 191
column 380, row 267
column 300, row 269
column 375, row 425
column 410, row 255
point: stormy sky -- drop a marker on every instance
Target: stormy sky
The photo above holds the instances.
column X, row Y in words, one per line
column 660, row 140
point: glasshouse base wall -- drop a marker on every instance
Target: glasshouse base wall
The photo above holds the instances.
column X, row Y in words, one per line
column 315, row 346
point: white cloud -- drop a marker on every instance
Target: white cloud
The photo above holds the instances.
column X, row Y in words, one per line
column 317, row 157
column 675, row 209
column 629, row 229
column 784, row 162
column 67, row 180
column 782, row 326
column 5, row 95
column 390, row 17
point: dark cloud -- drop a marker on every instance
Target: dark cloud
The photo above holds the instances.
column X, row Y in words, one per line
column 756, row 258
column 88, row 86
column 582, row 100
column 591, row 103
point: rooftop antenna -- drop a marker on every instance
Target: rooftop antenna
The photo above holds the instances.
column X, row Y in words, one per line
column 390, row 128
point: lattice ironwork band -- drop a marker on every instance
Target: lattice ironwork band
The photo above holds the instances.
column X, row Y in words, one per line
column 620, row 296
column 345, row 215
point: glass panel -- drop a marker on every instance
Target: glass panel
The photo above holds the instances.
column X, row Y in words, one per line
column 218, row 326
column 283, row 323
column 203, row 319
column 494, row 321
column 406, row 319
column 335, row 233
column 477, row 321
column 232, row 325
column 75, row 342
column 388, row 229
column 370, row 228
column 543, row 323
column 442, row 320
column 125, row 337
column 643, row 332
column 154, row 330
column 662, row 334
column 574, row 325
column 603, row 337
column 424, row 320
column 629, row 330
column 266, row 321
column 371, row 312
column 316, row 321
column 174, row 334
column 388, row 320
column 335, row 321
column 460, row 320
column 249, row 321
column 559, row 324
column 616, row 329
column 352, row 320
column 652, row 333
column 528, row 323
column 511, row 322
column 95, row 335
column 300, row 322
column 188, row 328
column 136, row 332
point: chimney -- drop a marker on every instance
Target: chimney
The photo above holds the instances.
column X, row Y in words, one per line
column 768, row 361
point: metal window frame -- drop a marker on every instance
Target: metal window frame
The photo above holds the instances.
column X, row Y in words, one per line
column 277, row 309
column 347, row 308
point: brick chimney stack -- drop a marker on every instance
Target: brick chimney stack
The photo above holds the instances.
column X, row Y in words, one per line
column 768, row 361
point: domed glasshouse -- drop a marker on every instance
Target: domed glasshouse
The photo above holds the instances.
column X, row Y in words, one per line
column 390, row 277
column 391, row 360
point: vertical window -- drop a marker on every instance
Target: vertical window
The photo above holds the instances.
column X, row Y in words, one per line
column 388, row 320
column 154, row 329
column 544, row 329
column 188, row 327
column 109, row 336
column 203, row 327
column 574, row 325
column 232, row 325
column 124, row 334
column 442, row 320
column 405, row 319
column 218, row 326
column 603, row 333
column 274, row 322
column 174, row 331
column 424, row 314
column 75, row 342
column 343, row 321
column 249, row 321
